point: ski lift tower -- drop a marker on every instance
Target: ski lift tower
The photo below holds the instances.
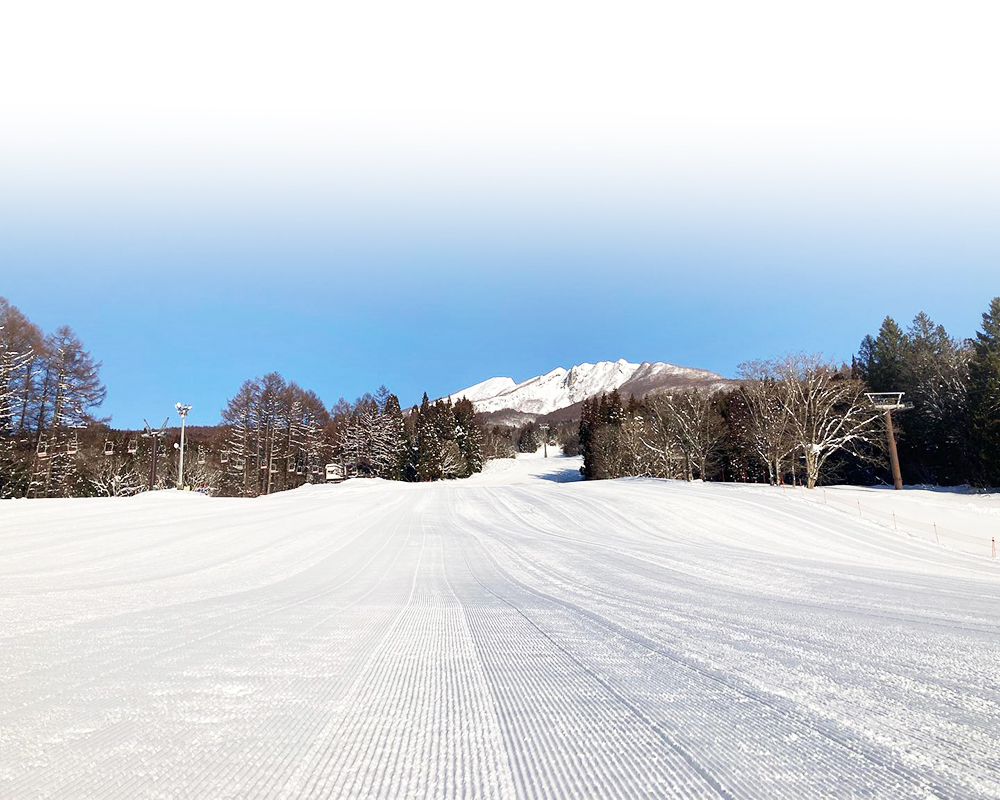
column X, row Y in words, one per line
column 889, row 402
column 545, row 438
column 183, row 411
column 154, row 436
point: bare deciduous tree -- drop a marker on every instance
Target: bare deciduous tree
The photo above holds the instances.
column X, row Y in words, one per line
column 685, row 425
column 767, row 426
column 827, row 411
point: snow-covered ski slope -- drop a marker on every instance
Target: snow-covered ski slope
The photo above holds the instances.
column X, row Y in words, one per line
column 514, row 635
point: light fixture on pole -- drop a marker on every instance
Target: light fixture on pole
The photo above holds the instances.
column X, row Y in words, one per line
column 183, row 411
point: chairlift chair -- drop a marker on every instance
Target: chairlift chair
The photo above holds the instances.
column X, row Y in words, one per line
column 274, row 468
column 133, row 446
column 73, row 445
column 315, row 469
column 109, row 448
column 43, row 446
column 300, row 470
column 201, row 455
column 224, row 457
column 291, row 466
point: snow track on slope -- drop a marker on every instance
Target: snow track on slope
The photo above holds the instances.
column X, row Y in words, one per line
column 507, row 636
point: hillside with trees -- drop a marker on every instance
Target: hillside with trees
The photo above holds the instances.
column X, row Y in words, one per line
column 805, row 419
column 797, row 419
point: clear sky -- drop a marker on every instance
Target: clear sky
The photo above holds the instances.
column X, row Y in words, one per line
column 427, row 195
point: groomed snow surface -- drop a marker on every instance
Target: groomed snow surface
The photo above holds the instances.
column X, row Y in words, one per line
column 514, row 635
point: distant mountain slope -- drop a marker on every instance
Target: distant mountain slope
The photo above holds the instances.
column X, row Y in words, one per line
column 491, row 387
column 560, row 392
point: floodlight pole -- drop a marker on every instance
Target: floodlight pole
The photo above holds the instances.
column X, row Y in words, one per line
column 897, row 476
column 183, row 411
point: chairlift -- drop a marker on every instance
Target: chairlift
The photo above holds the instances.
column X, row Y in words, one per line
column 291, row 466
column 224, row 457
column 300, row 470
column 109, row 448
column 274, row 468
column 315, row 469
column 43, row 446
column 133, row 446
column 73, row 445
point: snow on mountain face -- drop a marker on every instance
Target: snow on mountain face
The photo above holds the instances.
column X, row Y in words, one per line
column 561, row 388
column 488, row 388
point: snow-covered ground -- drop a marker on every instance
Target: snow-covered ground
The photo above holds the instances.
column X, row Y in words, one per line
column 516, row 634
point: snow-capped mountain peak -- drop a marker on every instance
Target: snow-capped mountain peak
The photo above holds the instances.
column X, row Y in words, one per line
column 488, row 388
column 561, row 388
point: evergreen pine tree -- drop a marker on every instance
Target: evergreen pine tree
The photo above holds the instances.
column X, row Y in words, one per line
column 882, row 359
column 428, row 443
column 934, row 379
column 590, row 424
column 392, row 460
column 612, row 414
column 470, row 436
column 984, row 398
column 528, row 438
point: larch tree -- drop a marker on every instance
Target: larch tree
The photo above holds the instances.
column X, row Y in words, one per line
column 240, row 418
column 13, row 363
column 71, row 391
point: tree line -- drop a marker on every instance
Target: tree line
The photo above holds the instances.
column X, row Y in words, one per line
column 280, row 436
column 806, row 419
column 274, row 434
column 795, row 419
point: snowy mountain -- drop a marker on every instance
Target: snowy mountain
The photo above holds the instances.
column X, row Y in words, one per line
column 566, row 388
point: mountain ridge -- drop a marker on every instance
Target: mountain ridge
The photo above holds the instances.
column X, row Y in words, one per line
column 503, row 400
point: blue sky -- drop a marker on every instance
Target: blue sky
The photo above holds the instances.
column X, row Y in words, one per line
column 427, row 225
